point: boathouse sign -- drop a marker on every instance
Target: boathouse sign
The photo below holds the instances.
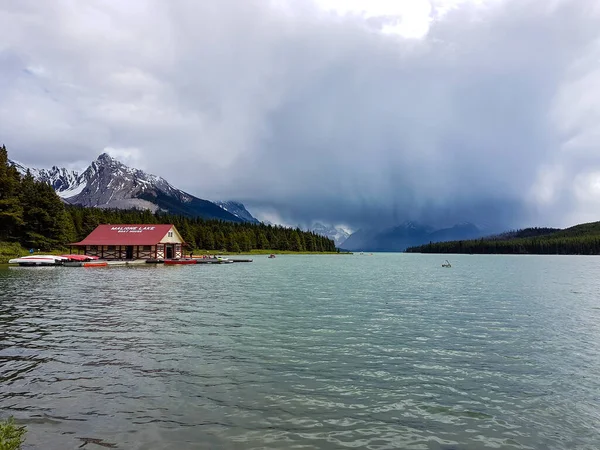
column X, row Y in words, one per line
column 132, row 229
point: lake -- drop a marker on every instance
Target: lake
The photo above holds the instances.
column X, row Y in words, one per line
column 386, row 351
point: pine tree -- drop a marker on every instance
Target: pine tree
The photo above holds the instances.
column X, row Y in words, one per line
column 11, row 210
column 209, row 240
column 295, row 242
column 262, row 243
column 186, row 233
column 220, row 242
column 46, row 223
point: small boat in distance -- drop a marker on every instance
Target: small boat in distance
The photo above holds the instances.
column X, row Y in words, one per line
column 39, row 260
column 447, row 264
column 271, row 255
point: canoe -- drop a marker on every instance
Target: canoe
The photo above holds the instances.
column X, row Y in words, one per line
column 39, row 260
column 179, row 261
column 85, row 263
column 80, row 257
column 95, row 264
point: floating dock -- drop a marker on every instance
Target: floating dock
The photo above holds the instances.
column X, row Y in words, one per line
column 133, row 262
column 140, row 262
column 221, row 260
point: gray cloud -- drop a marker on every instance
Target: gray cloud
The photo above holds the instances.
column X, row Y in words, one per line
column 492, row 117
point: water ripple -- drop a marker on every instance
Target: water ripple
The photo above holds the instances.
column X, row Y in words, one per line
column 306, row 352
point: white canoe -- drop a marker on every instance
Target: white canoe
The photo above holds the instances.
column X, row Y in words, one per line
column 39, row 260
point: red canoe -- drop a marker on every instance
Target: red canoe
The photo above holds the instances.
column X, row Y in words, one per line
column 95, row 264
column 80, row 257
column 179, row 261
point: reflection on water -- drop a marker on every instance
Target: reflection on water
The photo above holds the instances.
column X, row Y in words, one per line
column 305, row 352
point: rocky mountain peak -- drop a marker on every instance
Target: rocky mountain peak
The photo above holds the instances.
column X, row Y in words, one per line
column 105, row 158
column 108, row 183
column 237, row 209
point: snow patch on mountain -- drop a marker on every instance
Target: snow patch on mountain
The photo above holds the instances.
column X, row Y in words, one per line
column 337, row 233
column 237, row 209
column 66, row 183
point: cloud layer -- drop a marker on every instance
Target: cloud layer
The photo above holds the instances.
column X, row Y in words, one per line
column 491, row 117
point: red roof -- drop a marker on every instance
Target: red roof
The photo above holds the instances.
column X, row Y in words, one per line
column 126, row 235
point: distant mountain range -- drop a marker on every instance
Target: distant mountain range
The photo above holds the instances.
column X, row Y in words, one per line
column 337, row 234
column 408, row 234
column 108, row 183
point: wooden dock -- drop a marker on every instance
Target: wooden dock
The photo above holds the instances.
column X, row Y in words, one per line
column 221, row 261
column 139, row 262
column 132, row 262
column 209, row 261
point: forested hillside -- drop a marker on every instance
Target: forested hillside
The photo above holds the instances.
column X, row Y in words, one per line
column 578, row 240
column 30, row 211
column 32, row 215
column 206, row 234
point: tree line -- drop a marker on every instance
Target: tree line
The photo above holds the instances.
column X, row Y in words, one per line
column 579, row 240
column 32, row 214
column 205, row 234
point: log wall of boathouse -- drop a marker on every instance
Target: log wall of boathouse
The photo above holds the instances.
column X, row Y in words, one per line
column 161, row 251
column 120, row 251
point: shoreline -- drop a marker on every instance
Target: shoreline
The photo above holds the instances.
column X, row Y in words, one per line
column 262, row 252
column 4, row 257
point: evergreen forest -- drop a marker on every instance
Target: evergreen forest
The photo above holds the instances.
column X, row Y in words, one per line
column 581, row 239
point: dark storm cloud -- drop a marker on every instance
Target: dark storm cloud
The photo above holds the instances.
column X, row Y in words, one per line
column 490, row 118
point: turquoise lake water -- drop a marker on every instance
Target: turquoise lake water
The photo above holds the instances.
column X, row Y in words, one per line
column 387, row 351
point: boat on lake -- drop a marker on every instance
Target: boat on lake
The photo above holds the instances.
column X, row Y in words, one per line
column 447, row 264
column 224, row 260
column 271, row 256
column 74, row 260
column 39, row 260
column 181, row 261
column 75, row 257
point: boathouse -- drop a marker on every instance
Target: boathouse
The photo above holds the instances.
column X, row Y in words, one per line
column 133, row 242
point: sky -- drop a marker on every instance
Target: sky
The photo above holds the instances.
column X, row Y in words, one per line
column 355, row 112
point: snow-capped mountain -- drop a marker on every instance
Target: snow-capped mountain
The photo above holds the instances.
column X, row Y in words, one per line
column 108, row 183
column 338, row 234
column 238, row 210
column 66, row 183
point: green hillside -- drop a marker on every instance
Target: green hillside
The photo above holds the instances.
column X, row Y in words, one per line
column 581, row 239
